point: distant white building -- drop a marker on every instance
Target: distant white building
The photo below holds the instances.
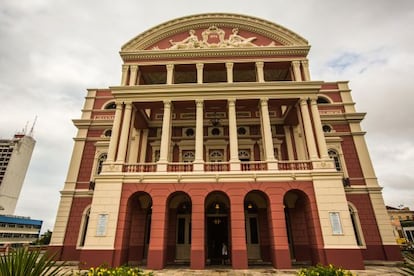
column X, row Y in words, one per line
column 15, row 155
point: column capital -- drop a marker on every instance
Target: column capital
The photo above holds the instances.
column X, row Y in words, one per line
column 167, row 103
column 199, row 102
column 313, row 102
column 119, row 105
column 259, row 64
column 303, row 101
column 264, row 100
column 125, row 67
column 229, row 65
column 231, row 102
column 199, row 66
column 134, row 67
column 295, row 62
column 305, row 62
column 169, row 66
column 128, row 105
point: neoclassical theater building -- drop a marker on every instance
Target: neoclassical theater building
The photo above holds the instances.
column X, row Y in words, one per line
column 217, row 136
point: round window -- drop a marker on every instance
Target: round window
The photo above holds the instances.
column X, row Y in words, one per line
column 215, row 131
column 241, row 131
column 326, row 128
column 189, row 132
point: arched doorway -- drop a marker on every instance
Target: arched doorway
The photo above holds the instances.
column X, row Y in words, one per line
column 257, row 227
column 217, row 208
column 300, row 227
column 138, row 222
column 179, row 229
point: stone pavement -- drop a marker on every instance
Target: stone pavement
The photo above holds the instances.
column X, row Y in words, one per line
column 264, row 271
column 370, row 270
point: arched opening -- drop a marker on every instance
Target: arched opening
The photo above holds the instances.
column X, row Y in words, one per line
column 356, row 224
column 300, row 227
column 257, row 227
column 333, row 154
column 179, row 229
column 138, row 228
column 217, row 210
column 84, row 226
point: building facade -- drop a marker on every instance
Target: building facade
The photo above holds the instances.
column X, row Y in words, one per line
column 18, row 230
column 15, row 155
column 402, row 221
column 217, row 136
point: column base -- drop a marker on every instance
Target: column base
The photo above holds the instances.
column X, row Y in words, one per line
column 112, row 167
column 234, row 165
column 272, row 165
column 198, row 166
column 162, row 166
column 323, row 164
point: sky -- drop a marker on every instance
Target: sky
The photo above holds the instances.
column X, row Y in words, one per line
column 51, row 51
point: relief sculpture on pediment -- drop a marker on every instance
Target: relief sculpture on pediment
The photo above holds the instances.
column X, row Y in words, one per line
column 214, row 37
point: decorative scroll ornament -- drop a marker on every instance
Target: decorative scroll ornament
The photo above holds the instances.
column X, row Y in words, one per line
column 213, row 37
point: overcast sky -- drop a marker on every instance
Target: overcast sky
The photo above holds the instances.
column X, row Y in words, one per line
column 51, row 51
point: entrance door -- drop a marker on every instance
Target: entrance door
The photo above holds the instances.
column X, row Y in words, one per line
column 217, row 235
column 183, row 239
column 252, row 237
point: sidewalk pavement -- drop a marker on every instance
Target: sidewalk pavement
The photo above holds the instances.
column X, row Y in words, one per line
column 370, row 270
column 264, row 271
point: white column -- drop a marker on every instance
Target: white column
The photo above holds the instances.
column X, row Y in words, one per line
column 113, row 143
column 320, row 137
column 133, row 74
column 229, row 68
column 310, row 139
column 133, row 152
column 296, row 70
column 259, row 70
column 198, row 161
column 305, row 70
column 170, row 73
column 289, row 145
column 267, row 134
column 234, row 147
column 144, row 141
column 199, row 67
column 165, row 137
column 124, row 74
column 123, row 141
column 299, row 142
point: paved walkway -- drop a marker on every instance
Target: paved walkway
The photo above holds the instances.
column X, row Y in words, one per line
column 370, row 270
column 264, row 271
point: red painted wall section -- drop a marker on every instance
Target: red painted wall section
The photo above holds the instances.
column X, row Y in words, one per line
column 329, row 85
column 103, row 97
column 341, row 128
column 85, row 170
column 374, row 250
column 352, row 161
column 78, row 207
column 129, row 241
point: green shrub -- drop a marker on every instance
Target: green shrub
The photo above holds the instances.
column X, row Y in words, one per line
column 23, row 262
column 117, row 271
column 321, row 270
